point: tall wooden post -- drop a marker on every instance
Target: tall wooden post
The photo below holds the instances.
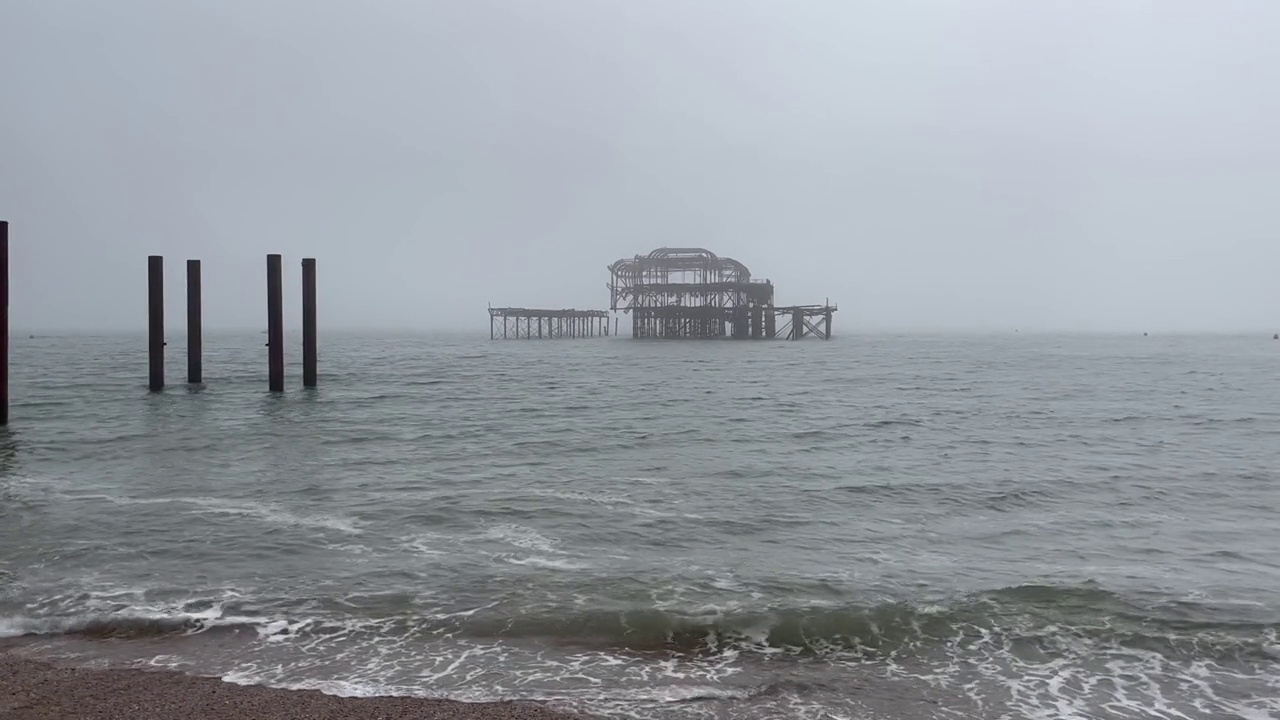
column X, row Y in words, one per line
column 797, row 324
column 310, row 343
column 4, row 322
column 275, row 324
column 155, row 321
column 828, row 328
column 195, row 327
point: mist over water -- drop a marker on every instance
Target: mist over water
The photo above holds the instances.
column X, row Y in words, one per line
column 1020, row 526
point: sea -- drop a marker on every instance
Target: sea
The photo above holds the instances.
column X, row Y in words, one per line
column 875, row 527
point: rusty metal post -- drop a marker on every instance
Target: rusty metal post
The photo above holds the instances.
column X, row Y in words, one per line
column 4, row 322
column 310, row 342
column 155, row 322
column 275, row 324
column 195, row 328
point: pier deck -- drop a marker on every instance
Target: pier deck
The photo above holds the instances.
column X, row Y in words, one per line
column 536, row 323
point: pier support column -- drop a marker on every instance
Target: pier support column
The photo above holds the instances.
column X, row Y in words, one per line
column 828, row 327
column 155, row 322
column 4, row 322
column 310, row 341
column 757, row 322
column 770, row 323
column 797, row 324
column 195, row 325
column 275, row 324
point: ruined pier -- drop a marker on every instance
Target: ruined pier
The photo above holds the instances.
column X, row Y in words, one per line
column 692, row 293
column 511, row 323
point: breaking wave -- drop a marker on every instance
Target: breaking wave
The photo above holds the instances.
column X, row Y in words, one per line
column 1029, row 615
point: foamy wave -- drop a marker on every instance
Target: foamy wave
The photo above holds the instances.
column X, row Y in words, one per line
column 522, row 537
column 340, row 688
column 549, row 563
column 272, row 513
column 133, row 624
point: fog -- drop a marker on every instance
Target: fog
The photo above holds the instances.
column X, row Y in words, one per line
column 928, row 165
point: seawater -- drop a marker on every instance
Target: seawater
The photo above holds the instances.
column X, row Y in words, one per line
column 1001, row 526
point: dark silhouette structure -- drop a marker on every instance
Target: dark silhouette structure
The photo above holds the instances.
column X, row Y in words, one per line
column 694, row 293
column 535, row 324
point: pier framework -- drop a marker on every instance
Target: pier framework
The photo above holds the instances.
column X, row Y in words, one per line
column 533, row 324
column 694, row 293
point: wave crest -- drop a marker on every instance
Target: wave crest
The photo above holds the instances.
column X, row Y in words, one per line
column 1037, row 614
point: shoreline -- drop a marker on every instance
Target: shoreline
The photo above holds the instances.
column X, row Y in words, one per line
column 33, row 689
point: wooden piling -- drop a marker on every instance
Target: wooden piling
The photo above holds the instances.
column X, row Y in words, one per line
column 4, row 322
column 310, row 340
column 195, row 326
column 275, row 323
column 828, row 328
column 155, row 322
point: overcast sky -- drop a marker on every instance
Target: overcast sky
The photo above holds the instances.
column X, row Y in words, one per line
column 1073, row 165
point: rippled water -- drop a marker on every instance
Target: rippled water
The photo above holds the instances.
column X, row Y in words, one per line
column 1006, row 526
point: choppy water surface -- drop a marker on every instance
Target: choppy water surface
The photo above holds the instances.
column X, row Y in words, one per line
column 875, row 527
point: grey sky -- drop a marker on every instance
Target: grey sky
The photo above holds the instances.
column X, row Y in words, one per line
column 1108, row 165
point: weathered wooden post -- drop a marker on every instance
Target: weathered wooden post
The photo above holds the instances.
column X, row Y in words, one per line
column 4, row 322
column 310, row 343
column 155, row 322
column 828, row 328
column 797, row 324
column 275, row 324
column 195, row 344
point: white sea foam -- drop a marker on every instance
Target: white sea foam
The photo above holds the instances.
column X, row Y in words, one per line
column 549, row 563
column 271, row 513
column 522, row 537
column 275, row 514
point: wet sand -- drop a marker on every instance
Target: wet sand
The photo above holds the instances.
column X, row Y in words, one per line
column 36, row 690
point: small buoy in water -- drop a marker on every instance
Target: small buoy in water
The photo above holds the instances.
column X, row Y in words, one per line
column 1144, row 335
column 1276, row 336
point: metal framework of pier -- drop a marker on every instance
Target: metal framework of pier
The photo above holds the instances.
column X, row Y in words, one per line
column 694, row 293
column 535, row 324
